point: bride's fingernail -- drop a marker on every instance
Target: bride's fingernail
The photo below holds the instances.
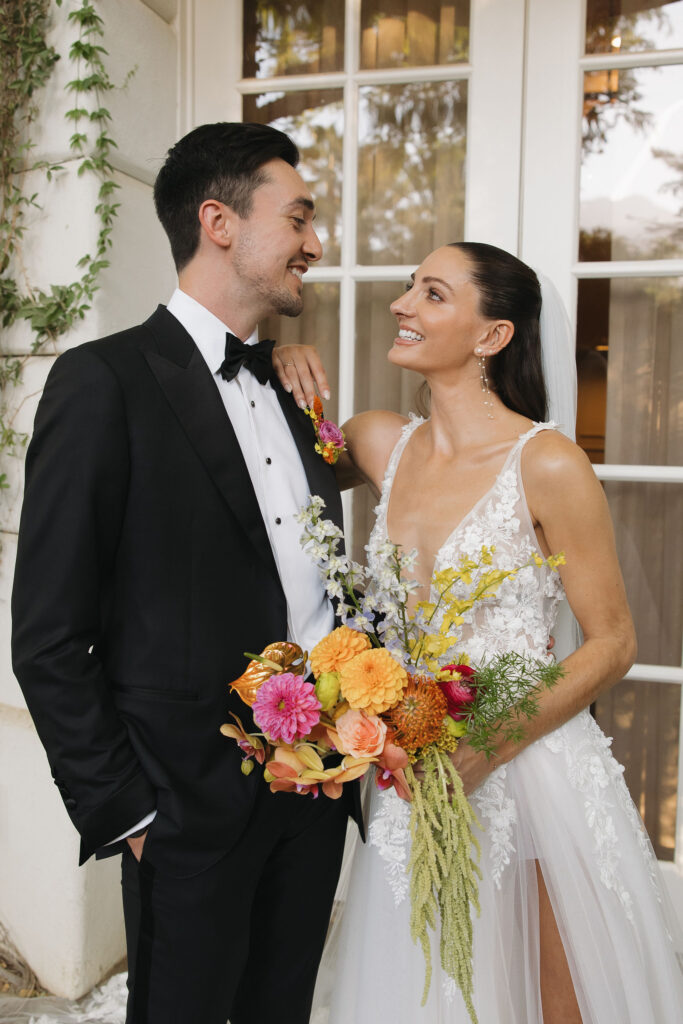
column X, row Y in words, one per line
column 288, row 388
column 302, row 404
column 326, row 394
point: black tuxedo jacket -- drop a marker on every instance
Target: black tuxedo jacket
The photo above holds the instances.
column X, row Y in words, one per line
column 144, row 571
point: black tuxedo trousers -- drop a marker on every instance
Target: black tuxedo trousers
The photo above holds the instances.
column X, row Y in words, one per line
column 242, row 940
column 143, row 573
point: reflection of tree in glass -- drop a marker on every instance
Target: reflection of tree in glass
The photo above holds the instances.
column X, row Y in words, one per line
column 612, row 95
column 604, row 26
column 411, row 169
column 397, row 33
column 290, row 37
column 315, row 121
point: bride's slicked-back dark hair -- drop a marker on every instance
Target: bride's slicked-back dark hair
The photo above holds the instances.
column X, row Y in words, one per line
column 222, row 161
column 510, row 290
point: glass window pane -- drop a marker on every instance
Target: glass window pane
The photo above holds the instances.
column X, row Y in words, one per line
column 647, row 522
column 644, row 720
column 315, row 120
column 411, row 180
column 379, row 384
column 291, row 37
column 622, row 26
column 398, row 33
column 632, row 164
column 630, row 367
column 630, row 411
column 318, row 325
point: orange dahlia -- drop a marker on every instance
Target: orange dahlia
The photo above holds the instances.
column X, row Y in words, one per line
column 338, row 647
column 372, row 681
column 419, row 715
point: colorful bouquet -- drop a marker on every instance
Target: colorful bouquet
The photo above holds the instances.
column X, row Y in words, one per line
column 390, row 689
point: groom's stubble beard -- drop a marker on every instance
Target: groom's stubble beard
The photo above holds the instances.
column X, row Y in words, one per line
column 251, row 268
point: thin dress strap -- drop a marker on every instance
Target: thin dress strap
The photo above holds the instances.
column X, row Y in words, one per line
column 406, row 433
column 536, row 429
column 516, row 461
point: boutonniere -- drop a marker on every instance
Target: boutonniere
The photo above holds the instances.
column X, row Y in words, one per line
column 329, row 437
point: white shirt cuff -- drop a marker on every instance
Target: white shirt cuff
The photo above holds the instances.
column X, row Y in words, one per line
column 141, row 824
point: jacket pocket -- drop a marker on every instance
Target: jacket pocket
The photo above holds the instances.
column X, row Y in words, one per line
column 152, row 693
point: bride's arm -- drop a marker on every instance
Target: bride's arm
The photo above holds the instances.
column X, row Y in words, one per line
column 370, row 440
column 569, row 508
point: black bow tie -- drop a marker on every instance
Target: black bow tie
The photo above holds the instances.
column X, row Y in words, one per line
column 257, row 358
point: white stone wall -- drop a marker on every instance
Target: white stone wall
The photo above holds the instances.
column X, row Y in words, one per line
column 66, row 921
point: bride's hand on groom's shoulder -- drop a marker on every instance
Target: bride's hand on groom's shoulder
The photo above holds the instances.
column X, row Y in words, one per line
column 301, row 371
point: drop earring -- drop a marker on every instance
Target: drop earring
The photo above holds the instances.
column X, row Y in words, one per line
column 486, row 391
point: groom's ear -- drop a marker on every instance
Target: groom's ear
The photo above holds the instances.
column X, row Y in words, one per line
column 217, row 222
column 498, row 334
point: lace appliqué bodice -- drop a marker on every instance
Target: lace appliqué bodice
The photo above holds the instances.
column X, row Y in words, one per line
column 521, row 615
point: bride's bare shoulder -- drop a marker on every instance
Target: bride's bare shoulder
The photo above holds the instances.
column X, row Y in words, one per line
column 554, row 465
column 551, row 451
column 370, row 438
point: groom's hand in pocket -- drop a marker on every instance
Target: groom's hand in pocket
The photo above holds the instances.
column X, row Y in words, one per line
column 136, row 844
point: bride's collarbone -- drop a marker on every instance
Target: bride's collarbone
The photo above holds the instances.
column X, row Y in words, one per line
column 443, row 490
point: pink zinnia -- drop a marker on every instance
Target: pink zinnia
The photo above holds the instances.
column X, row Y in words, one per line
column 286, row 707
column 456, row 691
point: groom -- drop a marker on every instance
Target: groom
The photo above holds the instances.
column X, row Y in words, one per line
column 157, row 544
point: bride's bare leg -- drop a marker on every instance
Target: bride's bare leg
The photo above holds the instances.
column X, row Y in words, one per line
column 558, row 998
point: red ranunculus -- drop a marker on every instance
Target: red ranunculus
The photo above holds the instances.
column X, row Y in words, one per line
column 457, row 690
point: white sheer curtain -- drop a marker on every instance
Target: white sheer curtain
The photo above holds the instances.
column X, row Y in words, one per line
column 644, row 424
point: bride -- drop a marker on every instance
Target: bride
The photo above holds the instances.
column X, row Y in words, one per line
column 573, row 924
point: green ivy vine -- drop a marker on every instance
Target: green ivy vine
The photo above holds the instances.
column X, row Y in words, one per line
column 26, row 63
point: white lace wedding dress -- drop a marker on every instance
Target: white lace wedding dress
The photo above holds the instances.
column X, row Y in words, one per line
column 562, row 802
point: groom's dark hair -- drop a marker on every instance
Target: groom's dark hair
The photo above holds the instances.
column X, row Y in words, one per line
column 222, row 161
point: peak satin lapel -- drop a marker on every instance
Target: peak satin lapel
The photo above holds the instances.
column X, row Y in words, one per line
column 320, row 476
column 195, row 400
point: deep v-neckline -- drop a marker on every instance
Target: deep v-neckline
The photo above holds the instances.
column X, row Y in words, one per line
column 391, row 476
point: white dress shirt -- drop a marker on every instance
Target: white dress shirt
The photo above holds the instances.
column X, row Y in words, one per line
column 275, row 469
column 276, row 473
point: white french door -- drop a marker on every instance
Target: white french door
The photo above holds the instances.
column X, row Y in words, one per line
column 552, row 130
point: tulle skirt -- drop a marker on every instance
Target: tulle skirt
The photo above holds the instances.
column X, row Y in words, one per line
column 561, row 803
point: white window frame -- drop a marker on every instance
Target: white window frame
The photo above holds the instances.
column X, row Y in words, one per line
column 522, row 170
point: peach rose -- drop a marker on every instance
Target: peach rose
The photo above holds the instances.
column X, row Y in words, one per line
column 361, row 735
